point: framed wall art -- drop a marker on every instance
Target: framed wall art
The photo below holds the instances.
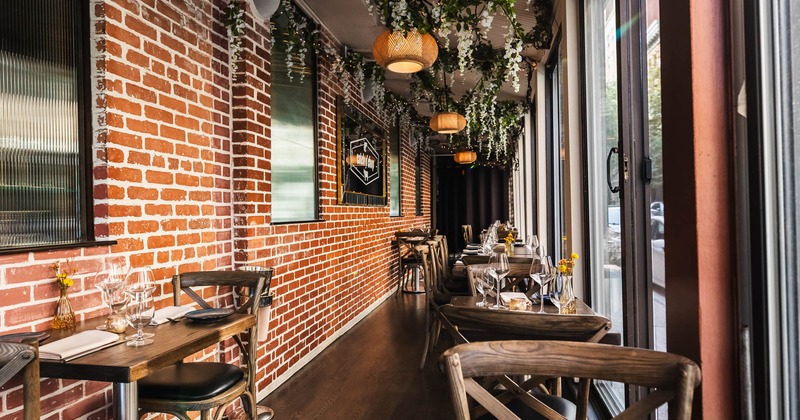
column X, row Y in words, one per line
column 362, row 157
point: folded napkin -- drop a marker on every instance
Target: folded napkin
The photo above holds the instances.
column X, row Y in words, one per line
column 507, row 296
column 163, row 315
column 473, row 246
column 77, row 345
column 470, row 252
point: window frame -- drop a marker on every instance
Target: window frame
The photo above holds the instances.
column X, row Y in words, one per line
column 395, row 130
column 315, row 82
column 83, row 71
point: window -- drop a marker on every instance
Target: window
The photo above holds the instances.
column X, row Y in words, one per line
column 294, row 134
column 43, row 181
column 418, row 183
column 767, row 116
column 555, row 149
column 394, row 170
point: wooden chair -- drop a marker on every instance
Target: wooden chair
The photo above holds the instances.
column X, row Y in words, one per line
column 24, row 358
column 467, row 324
column 409, row 261
column 466, row 233
column 204, row 386
column 674, row 377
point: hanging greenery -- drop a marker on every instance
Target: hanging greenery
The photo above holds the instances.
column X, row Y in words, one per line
column 492, row 126
column 234, row 22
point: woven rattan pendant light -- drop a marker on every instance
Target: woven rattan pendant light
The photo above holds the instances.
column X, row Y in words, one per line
column 448, row 122
column 465, row 157
column 408, row 53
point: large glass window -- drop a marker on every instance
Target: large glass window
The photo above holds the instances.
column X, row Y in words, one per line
column 294, row 134
column 556, row 153
column 42, row 176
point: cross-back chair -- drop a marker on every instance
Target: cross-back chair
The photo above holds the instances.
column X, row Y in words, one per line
column 16, row 358
column 673, row 377
column 409, row 261
column 204, row 386
column 473, row 324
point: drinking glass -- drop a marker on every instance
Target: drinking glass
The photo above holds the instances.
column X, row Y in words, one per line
column 140, row 281
column 498, row 262
column 111, row 281
column 556, row 288
column 532, row 243
column 542, row 272
column 139, row 313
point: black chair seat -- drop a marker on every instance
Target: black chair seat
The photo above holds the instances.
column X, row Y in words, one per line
column 190, row 381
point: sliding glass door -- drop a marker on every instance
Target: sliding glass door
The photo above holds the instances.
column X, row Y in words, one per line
column 625, row 210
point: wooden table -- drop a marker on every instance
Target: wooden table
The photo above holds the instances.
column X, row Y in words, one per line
column 470, row 301
column 124, row 365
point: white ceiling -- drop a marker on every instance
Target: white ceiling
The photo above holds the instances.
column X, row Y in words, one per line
column 350, row 22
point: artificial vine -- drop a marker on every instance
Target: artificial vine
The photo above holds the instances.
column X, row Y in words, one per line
column 492, row 125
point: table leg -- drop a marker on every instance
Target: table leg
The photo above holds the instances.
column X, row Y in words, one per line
column 126, row 401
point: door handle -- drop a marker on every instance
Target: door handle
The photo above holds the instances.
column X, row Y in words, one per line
column 614, row 189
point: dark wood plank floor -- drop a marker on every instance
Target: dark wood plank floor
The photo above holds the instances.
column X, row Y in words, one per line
column 370, row 372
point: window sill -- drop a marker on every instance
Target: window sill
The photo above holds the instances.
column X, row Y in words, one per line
column 51, row 247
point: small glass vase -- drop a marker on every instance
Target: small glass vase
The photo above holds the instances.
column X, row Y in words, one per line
column 567, row 298
column 509, row 249
column 65, row 316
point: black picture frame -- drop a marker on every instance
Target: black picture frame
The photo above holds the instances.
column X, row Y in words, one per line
column 361, row 157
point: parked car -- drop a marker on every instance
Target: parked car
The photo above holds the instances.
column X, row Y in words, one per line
column 657, row 248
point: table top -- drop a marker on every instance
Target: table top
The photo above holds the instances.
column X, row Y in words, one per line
column 120, row 363
column 470, row 301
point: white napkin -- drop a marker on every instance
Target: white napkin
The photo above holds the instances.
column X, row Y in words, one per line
column 507, row 296
column 78, row 344
column 163, row 315
column 470, row 252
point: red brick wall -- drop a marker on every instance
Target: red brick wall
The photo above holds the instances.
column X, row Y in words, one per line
column 181, row 181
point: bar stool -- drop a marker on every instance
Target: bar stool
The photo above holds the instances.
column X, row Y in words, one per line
column 410, row 262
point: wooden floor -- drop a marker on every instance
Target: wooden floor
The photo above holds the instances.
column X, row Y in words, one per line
column 370, row 372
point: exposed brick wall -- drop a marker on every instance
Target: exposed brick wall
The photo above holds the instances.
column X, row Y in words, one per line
column 181, row 167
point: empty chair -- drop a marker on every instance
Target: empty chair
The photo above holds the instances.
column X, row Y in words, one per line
column 466, row 233
column 409, row 261
column 467, row 324
column 673, row 377
column 204, row 386
column 22, row 358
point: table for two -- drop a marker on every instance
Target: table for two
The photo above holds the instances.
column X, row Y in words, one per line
column 123, row 365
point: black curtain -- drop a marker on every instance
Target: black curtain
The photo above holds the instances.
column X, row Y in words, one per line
column 469, row 196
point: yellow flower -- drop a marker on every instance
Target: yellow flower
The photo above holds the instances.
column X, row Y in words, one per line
column 574, row 255
column 68, row 282
column 562, row 268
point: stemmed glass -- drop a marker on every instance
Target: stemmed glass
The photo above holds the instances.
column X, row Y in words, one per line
column 498, row 262
column 532, row 243
column 111, row 282
column 556, row 288
column 483, row 282
column 140, row 286
column 542, row 272
column 139, row 313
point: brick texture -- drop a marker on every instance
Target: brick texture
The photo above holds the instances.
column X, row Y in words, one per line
column 181, row 168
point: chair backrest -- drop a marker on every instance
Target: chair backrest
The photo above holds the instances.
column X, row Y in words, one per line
column 467, row 324
column 255, row 281
column 674, row 377
column 24, row 358
column 466, row 232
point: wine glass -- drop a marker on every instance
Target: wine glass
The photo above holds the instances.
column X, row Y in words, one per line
column 111, row 281
column 139, row 313
column 556, row 288
column 140, row 280
column 498, row 262
column 541, row 272
column 532, row 243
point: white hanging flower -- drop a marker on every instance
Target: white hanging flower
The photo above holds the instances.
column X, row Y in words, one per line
column 465, row 43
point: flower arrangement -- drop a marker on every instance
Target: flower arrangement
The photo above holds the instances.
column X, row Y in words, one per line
column 64, row 316
column 565, row 265
column 509, row 239
column 64, row 275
